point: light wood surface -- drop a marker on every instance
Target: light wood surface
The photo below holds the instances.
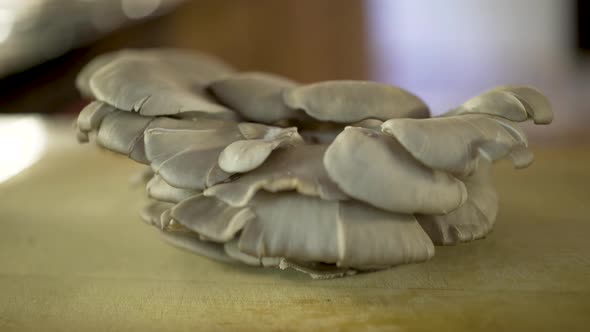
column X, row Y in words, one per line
column 75, row 256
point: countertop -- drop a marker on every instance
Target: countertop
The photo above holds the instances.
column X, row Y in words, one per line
column 74, row 255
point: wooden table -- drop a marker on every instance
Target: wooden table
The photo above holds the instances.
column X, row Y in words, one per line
column 75, row 256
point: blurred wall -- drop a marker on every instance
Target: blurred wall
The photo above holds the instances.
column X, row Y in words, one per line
column 307, row 40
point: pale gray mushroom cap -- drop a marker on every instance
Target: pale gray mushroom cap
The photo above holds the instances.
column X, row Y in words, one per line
column 192, row 243
column 160, row 190
column 159, row 83
column 494, row 102
column 122, row 132
column 90, row 119
column 158, row 214
column 455, row 144
column 514, row 103
column 346, row 233
column 155, row 214
column 245, row 155
column 472, row 220
column 376, row 169
column 353, row 101
column 83, row 78
column 308, row 229
column 211, row 218
column 299, row 168
column 192, row 158
column 206, row 67
column 232, row 250
column 188, row 158
column 255, row 96
column 536, row 104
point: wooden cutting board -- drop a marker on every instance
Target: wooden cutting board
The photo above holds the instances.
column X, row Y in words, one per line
column 74, row 255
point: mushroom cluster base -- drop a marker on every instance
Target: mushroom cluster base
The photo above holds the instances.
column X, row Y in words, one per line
column 330, row 178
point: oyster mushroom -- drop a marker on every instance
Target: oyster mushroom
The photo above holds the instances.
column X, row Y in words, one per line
column 232, row 250
column 122, row 132
column 329, row 202
column 245, row 155
column 157, row 214
column 376, row 169
column 191, row 158
column 159, row 190
column 83, row 77
column 90, row 119
column 297, row 168
column 210, row 217
column 515, row 103
column 536, row 104
column 155, row 83
column 191, row 242
column 346, row 233
column 472, row 220
column 255, row 96
column 307, row 229
column 152, row 214
column 206, row 67
column 188, row 158
column 455, row 143
column 354, row 101
column 494, row 102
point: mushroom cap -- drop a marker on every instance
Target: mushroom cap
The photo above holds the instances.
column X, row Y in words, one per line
column 472, row 220
column 512, row 102
column 191, row 242
column 90, row 118
column 155, row 214
column 83, row 78
column 297, row 168
column 158, row 214
column 495, row 102
column 211, row 218
column 162, row 83
column 188, row 158
column 536, row 104
column 201, row 153
column 354, row 101
column 456, row 143
column 206, row 67
column 308, row 229
column 245, row 155
column 232, row 250
column 346, row 233
column 122, row 132
column 255, row 96
column 374, row 168
column 160, row 190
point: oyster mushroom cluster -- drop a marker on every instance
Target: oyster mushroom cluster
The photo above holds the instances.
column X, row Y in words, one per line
column 329, row 178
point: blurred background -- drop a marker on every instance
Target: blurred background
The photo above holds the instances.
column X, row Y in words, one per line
column 444, row 51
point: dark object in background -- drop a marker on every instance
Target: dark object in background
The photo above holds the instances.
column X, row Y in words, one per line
column 583, row 26
column 32, row 32
column 49, row 87
column 45, row 43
